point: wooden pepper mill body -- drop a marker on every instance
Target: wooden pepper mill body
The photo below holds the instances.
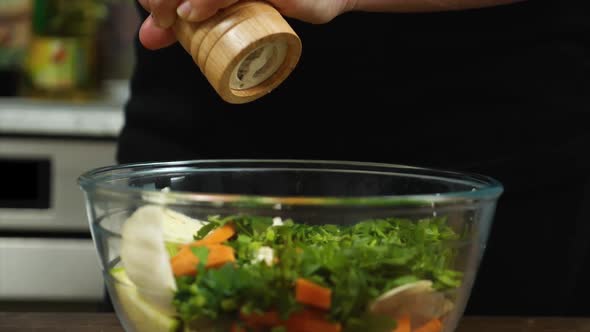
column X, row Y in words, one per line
column 244, row 51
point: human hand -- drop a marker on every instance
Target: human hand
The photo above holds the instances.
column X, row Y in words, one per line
column 156, row 32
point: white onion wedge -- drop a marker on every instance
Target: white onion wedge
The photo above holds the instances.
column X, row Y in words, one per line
column 145, row 259
column 144, row 316
column 179, row 228
column 418, row 300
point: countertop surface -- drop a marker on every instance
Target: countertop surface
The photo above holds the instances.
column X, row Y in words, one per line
column 101, row 117
column 107, row 322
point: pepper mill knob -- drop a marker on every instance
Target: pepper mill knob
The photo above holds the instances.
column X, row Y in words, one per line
column 245, row 51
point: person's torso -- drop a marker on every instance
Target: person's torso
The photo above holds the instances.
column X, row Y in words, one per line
column 447, row 85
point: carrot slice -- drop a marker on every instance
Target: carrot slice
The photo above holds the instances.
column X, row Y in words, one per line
column 304, row 321
column 403, row 324
column 185, row 262
column 432, row 326
column 267, row 319
column 237, row 328
column 218, row 235
column 310, row 321
column 310, row 293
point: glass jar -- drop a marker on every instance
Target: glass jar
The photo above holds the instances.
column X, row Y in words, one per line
column 15, row 16
column 62, row 61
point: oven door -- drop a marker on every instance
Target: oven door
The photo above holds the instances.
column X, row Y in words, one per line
column 49, row 270
column 40, row 192
column 46, row 251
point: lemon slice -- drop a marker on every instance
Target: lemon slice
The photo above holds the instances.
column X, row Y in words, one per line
column 144, row 316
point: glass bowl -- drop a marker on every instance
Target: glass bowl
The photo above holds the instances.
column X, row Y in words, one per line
column 288, row 245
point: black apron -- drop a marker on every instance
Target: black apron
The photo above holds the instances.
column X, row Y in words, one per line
column 501, row 91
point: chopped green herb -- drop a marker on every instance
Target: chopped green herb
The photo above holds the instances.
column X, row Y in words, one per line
column 358, row 263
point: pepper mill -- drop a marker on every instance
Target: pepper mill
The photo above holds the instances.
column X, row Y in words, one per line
column 245, row 51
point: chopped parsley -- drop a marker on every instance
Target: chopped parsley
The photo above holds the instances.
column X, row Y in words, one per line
column 357, row 262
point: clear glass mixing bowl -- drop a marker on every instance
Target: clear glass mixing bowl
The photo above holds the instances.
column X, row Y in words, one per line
column 401, row 254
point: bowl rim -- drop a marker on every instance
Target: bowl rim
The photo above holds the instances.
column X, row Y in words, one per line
column 485, row 188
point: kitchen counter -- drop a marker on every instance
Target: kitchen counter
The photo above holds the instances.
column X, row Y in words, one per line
column 107, row 322
column 97, row 118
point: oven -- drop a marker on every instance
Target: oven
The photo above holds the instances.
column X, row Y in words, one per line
column 46, row 251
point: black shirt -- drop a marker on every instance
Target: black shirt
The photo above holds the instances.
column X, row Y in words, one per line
column 476, row 74
column 501, row 91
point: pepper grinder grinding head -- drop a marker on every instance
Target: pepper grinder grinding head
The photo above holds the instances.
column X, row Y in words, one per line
column 245, row 51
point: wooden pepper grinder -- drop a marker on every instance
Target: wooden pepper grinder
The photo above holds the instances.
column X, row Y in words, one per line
column 244, row 51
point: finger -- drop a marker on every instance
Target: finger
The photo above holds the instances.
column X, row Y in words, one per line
column 312, row 11
column 153, row 37
column 164, row 12
column 297, row 9
column 200, row 10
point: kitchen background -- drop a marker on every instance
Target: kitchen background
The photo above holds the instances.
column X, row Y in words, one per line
column 64, row 71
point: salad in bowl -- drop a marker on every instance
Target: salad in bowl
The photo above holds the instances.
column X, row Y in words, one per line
column 292, row 246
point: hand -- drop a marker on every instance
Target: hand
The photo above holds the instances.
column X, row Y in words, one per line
column 156, row 30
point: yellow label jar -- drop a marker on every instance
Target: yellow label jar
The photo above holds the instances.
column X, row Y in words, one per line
column 62, row 60
column 62, row 64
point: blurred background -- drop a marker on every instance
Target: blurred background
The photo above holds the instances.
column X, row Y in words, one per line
column 64, row 72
